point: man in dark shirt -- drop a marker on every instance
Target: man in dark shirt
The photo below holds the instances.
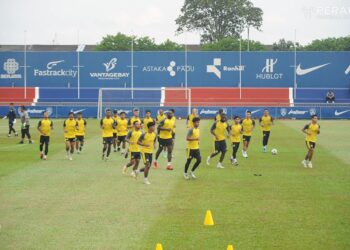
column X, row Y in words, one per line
column 11, row 115
column 330, row 97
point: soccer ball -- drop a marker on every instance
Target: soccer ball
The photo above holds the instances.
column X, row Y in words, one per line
column 274, row 151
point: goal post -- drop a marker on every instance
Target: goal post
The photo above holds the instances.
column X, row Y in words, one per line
column 142, row 97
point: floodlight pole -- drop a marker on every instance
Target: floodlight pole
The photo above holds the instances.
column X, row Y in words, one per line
column 295, row 64
column 132, row 68
column 240, row 68
column 25, row 64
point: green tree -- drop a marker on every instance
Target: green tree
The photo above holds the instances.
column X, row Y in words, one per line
column 217, row 19
column 283, row 45
column 170, row 46
column 118, row 42
column 232, row 44
column 330, row 44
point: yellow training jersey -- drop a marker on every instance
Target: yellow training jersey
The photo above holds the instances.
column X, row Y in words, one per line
column 45, row 126
column 148, row 139
column 236, row 131
column 219, row 129
column 133, row 137
column 115, row 118
column 189, row 120
column 159, row 118
column 81, row 127
column 313, row 130
column 132, row 120
column 168, row 124
column 147, row 120
column 174, row 120
column 266, row 122
column 247, row 126
column 122, row 127
column 193, row 133
column 108, row 125
column 70, row 127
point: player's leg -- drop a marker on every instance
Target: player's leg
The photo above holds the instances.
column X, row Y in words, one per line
column 28, row 134
column 67, row 145
column 198, row 158
column 215, row 153
column 81, row 143
column 23, row 132
column 188, row 162
column 311, row 153
column 46, row 143
column 115, row 138
column 170, row 154
column 104, row 148
column 41, row 146
column 72, row 146
column 109, row 146
column 222, row 149
column 77, row 144
column 235, row 146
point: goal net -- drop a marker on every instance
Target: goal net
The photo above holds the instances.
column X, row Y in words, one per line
column 142, row 97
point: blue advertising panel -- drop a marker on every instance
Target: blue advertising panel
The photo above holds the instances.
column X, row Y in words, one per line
column 11, row 69
column 52, row 69
column 105, row 69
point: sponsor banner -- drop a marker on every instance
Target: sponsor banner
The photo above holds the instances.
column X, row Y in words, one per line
column 11, row 69
column 297, row 112
column 335, row 113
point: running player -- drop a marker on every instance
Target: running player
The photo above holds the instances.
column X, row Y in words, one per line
column 115, row 131
column 135, row 150
column 11, row 115
column 235, row 135
column 70, row 126
column 193, row 138
column 165, row 131
column 189, row 121
column 248, row 126
column 161, row 116
column 122, row 131
column 25, row 125
column 135, row 117
column 148, row 118
column 44, row 127
column 107, row 125
column 266, row 121
column 147, row 141
column 80, row 133
column 218, row 130
column 312, row 130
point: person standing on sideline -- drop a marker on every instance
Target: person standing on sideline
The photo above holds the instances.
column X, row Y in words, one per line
column 44, row 127
column 25, row 125
column 11, row 115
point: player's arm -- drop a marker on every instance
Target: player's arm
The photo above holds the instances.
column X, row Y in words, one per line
column 76, row 125
column 253, row 121
column 155, row 142
column 160, row 127
column 319, row 129
column 260, row 122
column 51, row 125
column 305, row 129
column 101, row 124
column 129, row 124
column 228, row 129
column 64, row 127
column 187, row 120
column 85, row 123
column 39, row 128
column 127, row 138
column 213, row 127
column 114, row 125
column 189, row 135
column 139, row 142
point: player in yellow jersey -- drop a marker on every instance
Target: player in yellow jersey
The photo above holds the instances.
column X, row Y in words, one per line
column 44, row 127
column 135, row 117
column 161, row 116
column 248, row 125
column 122, row 131
column 147, row 118
column 190, row 117
column 165, row 139
column 266, row 121
column 70, row 126
column 115, row 131
column 147, row 141
column 134, row 148
column 218, row 130
column 218, row 115
column 235, row 136
column 312, row 130
column 107, row 125
column 80, row 133
column 193, row 138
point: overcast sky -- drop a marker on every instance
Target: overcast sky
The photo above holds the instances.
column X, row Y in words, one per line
column 62, row 20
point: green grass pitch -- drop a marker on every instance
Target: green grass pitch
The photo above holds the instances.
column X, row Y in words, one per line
column 89, row 204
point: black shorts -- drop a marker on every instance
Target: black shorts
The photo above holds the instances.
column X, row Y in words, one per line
column 80, row 138
column 44, row 139
column 246, row 138
column 135, row 155
column 310, row 144
column 121, row 138
column 70, row 139
column 266, row 133
column 107, row 140
column 165, row 142
column 115, row 135
column 220, row 146
column 235, row 145
column 147, row 157
column 193, row 153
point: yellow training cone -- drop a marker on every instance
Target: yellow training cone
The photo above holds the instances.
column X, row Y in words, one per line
column 208, row 221
column 230, row 247
column 159, row 247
